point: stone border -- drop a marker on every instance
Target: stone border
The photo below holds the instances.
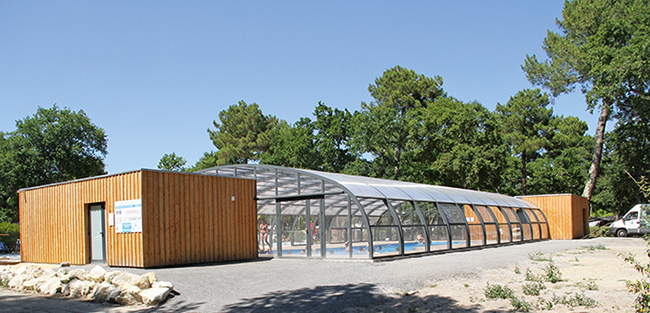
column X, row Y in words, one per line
column 97, row 285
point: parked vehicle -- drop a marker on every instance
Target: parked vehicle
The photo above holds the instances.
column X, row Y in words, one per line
column 635, row 221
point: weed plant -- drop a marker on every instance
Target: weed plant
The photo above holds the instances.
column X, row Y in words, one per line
column 498, row 292
column 552, row 273
column 533, row 288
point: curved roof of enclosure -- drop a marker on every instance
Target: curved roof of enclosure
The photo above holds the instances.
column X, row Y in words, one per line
column 300, row 182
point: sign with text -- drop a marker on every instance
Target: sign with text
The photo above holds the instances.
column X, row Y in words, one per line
column 128, row 216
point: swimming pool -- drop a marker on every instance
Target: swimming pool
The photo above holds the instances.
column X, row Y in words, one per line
column 361, row 248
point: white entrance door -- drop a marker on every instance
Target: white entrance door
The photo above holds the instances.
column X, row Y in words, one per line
column 97, row 237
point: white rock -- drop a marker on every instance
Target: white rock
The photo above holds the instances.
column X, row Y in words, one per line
column 17, row 281
column 80, row 288
column 154, row 296
column 97, row 274
column 112, row 294
column 29, row 284
column 141, row 282
column 51, row 287
column 162, row 284
column 19, row 269
column 130, row 296
column 101, row 292
column 152, row 277
column 108, row 277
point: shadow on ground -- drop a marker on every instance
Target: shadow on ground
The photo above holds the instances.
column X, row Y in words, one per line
column 344, row 298
column 18, row 302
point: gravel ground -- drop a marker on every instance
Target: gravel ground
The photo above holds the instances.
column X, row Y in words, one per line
column 298, row 285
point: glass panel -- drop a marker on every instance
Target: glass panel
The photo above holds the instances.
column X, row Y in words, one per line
column 458, row 236
column 359, row 236
column 491, row 234
column 406, row 213
column 438, row 237
column 545, row 231
column 485, row 213
column 431, row 213
column 385, row 241
column 452, row 212
column 294, row 235
column 504, row 230
column 475, row 229
column 414, row 239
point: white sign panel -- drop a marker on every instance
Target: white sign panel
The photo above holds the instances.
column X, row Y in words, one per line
column 128, row 216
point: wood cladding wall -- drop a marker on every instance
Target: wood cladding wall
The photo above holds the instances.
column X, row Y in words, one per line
column 54, row 221
column 198, row 219
column 186, row 219
column 567, row 214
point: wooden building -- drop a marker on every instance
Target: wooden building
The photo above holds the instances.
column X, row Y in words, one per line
column 567, row 214
column 143, row 218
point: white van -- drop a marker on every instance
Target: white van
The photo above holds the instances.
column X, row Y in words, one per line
column 636, row 221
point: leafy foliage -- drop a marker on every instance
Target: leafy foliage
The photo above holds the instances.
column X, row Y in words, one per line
column 13, row 233
column 243, row 134
column 172, row 162
column 602, row 48
column 51, row 146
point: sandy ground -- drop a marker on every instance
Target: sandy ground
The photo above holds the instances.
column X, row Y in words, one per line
column 452, row 282
column 596, row 272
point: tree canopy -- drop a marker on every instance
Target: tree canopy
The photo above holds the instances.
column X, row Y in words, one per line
column 51, row 146
column 242, row 135
column 603, row 49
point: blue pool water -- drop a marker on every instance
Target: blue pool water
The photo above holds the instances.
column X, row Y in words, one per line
column 379, row 248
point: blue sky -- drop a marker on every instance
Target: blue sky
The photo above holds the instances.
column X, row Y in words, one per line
column 155, row 74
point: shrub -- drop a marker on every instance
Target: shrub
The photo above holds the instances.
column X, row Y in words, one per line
column 533, row 288
column 498, row 292
column 519, row 305
column 13, row 233
column 553, row 274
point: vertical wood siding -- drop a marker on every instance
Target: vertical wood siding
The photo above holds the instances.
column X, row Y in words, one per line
column 54, row 221
column 565, row 214
column 193, row 219
column 186, row 219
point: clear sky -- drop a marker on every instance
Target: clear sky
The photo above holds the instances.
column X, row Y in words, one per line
column 155, row 74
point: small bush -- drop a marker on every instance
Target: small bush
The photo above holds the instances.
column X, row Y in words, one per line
column 533, row 288
column 575, row 300
column 13, row 232
column 532, row 277
column 498, row 292
column 552, row 273
column 520, row 305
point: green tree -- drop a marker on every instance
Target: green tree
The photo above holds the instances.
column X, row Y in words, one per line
column 603, row 48
column 172, row 162
column 333, row 129
column 525, row 124
column 563, row 168
column 51, row 146
column 208, row 160
column 456, row 144
column 382, row 126
column 293, row 146
column 243, row 134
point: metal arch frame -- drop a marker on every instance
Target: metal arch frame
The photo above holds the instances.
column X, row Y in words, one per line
column 276, row 177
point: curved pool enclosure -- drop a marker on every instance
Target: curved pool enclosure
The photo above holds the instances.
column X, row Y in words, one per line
column 328, row 215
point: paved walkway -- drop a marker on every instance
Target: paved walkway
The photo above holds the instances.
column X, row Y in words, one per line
column 298, row 285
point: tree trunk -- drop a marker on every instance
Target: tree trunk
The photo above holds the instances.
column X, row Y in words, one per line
column 523, row 172
column 398, row 153
column 598, row 151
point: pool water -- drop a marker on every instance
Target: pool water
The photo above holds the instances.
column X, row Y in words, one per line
column 379, row 248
